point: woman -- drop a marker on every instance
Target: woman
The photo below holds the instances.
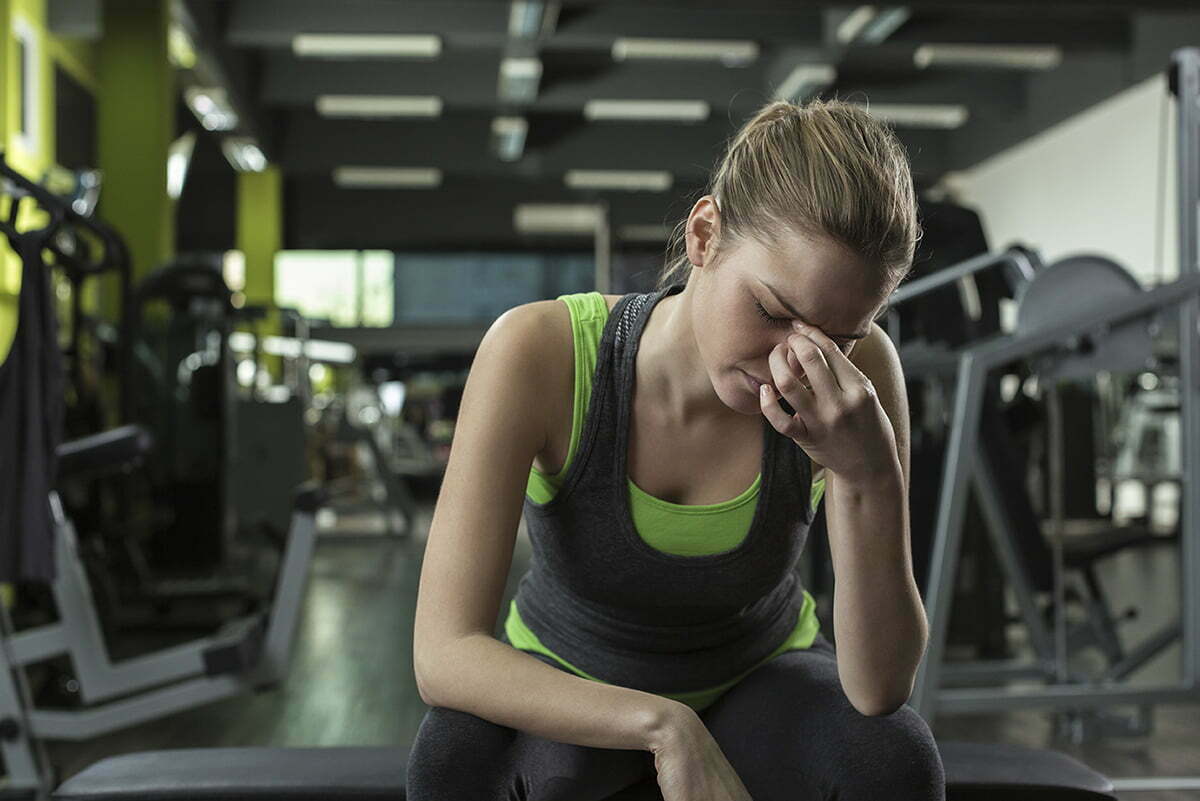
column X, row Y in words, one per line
column 661, row 629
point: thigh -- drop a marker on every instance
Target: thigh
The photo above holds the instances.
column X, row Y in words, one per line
column 790, row 733
column 457, row 755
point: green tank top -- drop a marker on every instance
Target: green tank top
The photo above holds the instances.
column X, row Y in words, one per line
column 669, row 527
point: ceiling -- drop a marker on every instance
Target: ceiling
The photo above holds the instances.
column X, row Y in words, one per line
column 1105, row 47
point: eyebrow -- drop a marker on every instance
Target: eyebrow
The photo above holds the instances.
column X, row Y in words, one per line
column 800, row 317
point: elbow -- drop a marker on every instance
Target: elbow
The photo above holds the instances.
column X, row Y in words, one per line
column 878, row 709
column 882, row 704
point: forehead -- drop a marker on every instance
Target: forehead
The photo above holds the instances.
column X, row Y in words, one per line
column 798, row 265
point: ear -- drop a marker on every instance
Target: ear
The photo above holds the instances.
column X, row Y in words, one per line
column 702, row 227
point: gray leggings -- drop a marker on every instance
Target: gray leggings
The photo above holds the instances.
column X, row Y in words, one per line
column 787, row 729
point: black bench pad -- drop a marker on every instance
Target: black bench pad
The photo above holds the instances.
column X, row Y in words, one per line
column 974, row 772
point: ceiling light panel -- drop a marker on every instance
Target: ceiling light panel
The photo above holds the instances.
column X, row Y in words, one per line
column 626, row 180
column 1013, row 57
column 243, row 154
column 519, row 79
column 903, row 115
column 379, row 106
column 212, row 107
column 871, row 24
column 731, row 53
column 387, row 177
column 508, row 137
column 669, row 110
column 806, row 81
column 556, row 218
column 322, row 45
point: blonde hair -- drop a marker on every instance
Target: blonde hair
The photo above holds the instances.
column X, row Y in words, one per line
column 827, row 168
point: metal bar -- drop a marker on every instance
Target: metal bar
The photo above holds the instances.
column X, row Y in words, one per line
column 37, row 645
column 1136, row 785
column 1000, row 527
column 88, row 723
column 952, row 508
column 1186, row 67
column 1144, row 652
column 22, row 769
column 993, row 670
column 1005, row 699
column 288, row 600
column 1092, row 319
column 1014, row 258
column 602, row 241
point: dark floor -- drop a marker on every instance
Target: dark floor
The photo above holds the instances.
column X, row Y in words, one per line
column 351, row 678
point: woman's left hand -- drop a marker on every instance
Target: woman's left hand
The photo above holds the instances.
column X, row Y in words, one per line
column 838, row 421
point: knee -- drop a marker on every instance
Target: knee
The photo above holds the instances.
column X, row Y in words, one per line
column 894, row 756
column 457, row 755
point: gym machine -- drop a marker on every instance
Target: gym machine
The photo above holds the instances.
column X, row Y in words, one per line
column 1062, row 342
column 974, row 771
column 250, row 653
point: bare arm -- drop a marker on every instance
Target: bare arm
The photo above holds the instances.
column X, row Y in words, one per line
column 458, row 663
column 877, row 611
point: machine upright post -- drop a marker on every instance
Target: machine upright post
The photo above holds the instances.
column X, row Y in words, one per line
column 1185, row 74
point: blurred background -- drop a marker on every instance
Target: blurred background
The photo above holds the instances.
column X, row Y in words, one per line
column 277, row 230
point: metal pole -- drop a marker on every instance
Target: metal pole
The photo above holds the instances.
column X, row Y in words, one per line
column 1185, row 75
column 603, row 248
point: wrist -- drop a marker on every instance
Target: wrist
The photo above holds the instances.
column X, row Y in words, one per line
column 667, row 722
column 873, row 477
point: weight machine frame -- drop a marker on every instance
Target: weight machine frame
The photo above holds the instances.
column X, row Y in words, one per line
column 1059, row 342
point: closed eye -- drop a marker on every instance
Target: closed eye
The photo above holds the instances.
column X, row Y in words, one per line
column 770, row 320
column 782, row 321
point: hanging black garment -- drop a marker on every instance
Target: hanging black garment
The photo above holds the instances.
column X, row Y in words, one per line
column 31, row 413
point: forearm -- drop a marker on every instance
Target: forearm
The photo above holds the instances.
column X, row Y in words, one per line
column 498, row 683
column 878, row 617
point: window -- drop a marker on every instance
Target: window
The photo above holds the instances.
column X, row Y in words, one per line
column 453, row 288
column 345, row 287
column 27, row 85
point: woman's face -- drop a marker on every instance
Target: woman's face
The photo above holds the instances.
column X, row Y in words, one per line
column 816, row 281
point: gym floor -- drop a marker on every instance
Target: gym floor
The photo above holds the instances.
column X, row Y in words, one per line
column 351, row 677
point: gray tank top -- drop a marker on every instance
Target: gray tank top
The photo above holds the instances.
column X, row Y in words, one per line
column 603, row 599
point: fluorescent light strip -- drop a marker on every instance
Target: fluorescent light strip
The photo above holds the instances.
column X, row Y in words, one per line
column 628, row 180
column 243, row 154
column 379, row 106
column 806, row 81
column 673, row 110
column 883, row 25
column 212, row 107
column 179, row 156
column 854, row 23
column 525, row 18
column 508, row 137
column 387, row 177
column 553, row 218
column 732, row 53
column 519, row 79
column 904, row 115
column 1019, row 57
column 322, row 45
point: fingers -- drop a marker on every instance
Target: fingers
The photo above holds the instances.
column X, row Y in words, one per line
column 815, row 366
column 789, row 425
column 843, row 370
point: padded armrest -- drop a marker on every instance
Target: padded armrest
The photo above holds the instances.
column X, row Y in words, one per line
column 226, row 774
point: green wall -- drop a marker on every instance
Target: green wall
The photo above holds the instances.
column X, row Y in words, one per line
column 136, row 123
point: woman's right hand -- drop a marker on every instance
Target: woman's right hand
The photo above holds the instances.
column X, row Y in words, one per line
column 690, row 764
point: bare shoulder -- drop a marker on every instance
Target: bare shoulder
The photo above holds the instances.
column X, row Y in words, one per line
column 611, row 300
